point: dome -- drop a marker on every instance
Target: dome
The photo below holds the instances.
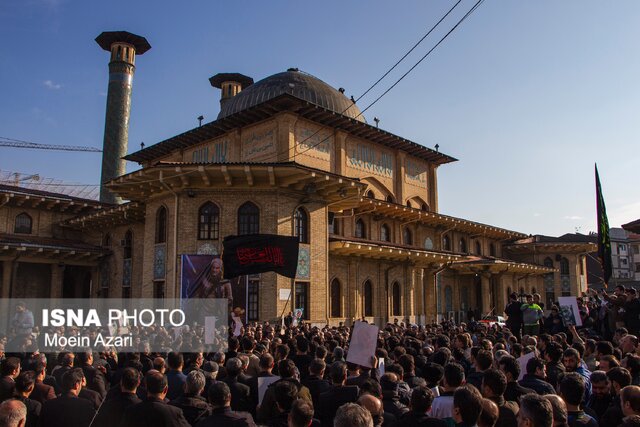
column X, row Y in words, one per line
column 296, row 83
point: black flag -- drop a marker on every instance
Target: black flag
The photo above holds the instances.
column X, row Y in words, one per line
column 258, row 253
column 604, row 243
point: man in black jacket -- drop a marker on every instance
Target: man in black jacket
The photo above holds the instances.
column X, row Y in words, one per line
column 222, row 415
column 511, row 369
column 25, row 384
column 96, row 380
column 421, row 400
column 113, row 408
column 482, row 360
column 555, row 369
column 68, row 410
column 514, row 315
column 240, row 393
column 315, row 382
column 534, row 378
column 601, row 396
column 154, row 412
column 494, row 384
column 9, row 369
column 194, row 407
column 337, row 395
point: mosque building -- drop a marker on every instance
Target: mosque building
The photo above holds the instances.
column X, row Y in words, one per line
column 287, row 155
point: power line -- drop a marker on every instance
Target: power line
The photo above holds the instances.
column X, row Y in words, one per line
column 410, row 50
column 475, row 6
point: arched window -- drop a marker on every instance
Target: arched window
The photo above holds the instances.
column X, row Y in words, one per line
column 360, row 229
column 23, row 224
column 336, row 306
column 248, row 219
column 395, row 300
column 565, row 278
column 446, row 243
column 407, row 236
column 424, row 207
column 448, row 298
column 161, row 225
column 368, row 299
column 390, row 198
column 128, row 245
column 409, row 203
column 385, row 233
column 301, row 225
column 209, row 222
column 370, row 194
column 463, row 245
column 478, row 248
column 106, row 240
column 428, row 243
column 492, row 249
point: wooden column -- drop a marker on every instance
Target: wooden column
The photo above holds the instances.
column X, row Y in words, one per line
column 485, row 287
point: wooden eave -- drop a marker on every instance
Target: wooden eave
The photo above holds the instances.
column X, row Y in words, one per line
column 54, row 252
column 126, row 213
column 338, row 191
column 480, row 265
column 25, row 199
column 433, row 219
column 552, row 247
column 388, row 252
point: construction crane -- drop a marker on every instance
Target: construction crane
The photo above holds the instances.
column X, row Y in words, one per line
column 16, row 143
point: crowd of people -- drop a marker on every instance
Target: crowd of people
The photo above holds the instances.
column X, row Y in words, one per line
column 437, row 375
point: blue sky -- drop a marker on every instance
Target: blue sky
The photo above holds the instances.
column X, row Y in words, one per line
column 527, row 94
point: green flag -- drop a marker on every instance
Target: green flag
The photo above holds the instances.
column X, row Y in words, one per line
column 604, row 243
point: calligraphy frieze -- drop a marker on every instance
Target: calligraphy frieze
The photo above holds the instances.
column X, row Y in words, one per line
column 213, row 152
column 259, row 144
column 415, row 173
column 314, row 141
column 369, row 158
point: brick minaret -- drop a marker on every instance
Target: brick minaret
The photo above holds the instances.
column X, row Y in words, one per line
column 124, row 47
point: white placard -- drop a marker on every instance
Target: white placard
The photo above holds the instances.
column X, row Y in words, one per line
column 263, row 385
column 380, row 367
column 210, row 329
column 569, row 311
column 522, row 361
column 285, row 294
column 363, row 344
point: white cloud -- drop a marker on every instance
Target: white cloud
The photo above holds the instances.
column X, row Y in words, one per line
column 537, row 214
column 573, row 217
column 51, row 85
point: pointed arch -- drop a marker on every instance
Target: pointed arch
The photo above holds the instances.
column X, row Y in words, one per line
column 23, row 224
column 446, row 243
column 396, row 300
column 385, row 233
column 248, row 219
column 161, row 225
column 128, row 245
column 336, row 298
column 407, row 236
column 462, row 245
column 367, row 292
column 209, row 222
column 301, row 224
column 360, row 231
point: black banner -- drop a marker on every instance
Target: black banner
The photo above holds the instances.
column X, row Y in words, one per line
column 604, row 242
column 258, row 253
